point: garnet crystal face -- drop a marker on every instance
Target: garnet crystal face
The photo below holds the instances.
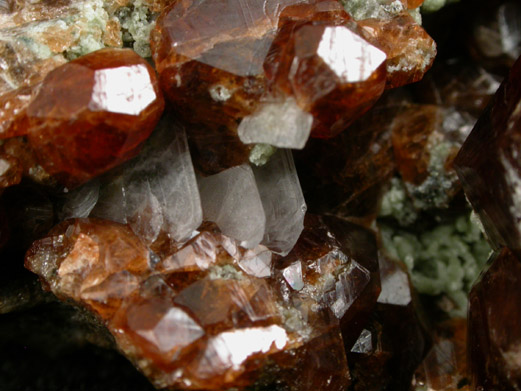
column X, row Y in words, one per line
column 92, row 114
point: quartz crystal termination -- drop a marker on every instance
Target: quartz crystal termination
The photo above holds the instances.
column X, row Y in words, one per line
column 231, row 199
column 260, row 205
column 155, row 193
column 199, row 319
column 494, row 336
column 282, row 201
column 92, row 114
column 234, row 70
column 488, row 164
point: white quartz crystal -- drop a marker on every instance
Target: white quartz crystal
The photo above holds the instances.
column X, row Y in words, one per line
column 282, row 200
column 231, row 200
column 282, row 124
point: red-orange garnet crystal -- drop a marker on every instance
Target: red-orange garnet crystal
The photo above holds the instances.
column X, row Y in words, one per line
column 93, row 113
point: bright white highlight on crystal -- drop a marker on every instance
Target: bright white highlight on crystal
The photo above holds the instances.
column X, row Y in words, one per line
column 282, row 124
column 293, row 275
column 124, row 90
column 395, row 289
column 230, row 349
column 351, row 57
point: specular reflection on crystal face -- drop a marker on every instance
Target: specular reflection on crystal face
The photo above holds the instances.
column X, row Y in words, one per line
column 351, row 58
column 125, row 90
column 229, row 350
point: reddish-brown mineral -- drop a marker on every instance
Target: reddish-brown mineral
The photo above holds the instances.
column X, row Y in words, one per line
column 410, row 50
column 391, row 346
column 92, row 114
column 494, row 332
column 230, row 74
column 328, row 68
column 213, row 315
column 489, row 168
column 445, row 366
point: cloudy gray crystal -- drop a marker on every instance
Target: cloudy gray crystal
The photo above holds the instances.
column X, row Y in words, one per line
column 161, row 188
column 79, row 202
column 282, row 124
column 157, row 190
column 282, row 200
column 231, row 200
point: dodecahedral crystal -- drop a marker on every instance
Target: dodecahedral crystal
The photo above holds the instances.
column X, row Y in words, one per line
column 229, row 75
column 199, row 318
column 494, row 336
column 92, row 114
column 488, row 164
column 410, row 50
column 331, row 71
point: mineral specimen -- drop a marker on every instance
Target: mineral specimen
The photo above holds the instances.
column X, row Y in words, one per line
column 488, row 164
column 92, row 114
column 389, row 349
column 445, row 366
column 231, row 77
column 200, row 319
column 494, row 337
column 282, row 201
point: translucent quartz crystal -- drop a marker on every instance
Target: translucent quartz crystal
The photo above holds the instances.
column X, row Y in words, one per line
column 282, row 201
column 494, row 336
column 198, row 319
column 92, row 114
column 157, row 191
column 231, row 200
column 488, row 164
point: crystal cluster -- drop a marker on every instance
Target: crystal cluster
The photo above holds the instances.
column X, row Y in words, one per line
column 276, row 76
column 213, row 315
column 182, row 237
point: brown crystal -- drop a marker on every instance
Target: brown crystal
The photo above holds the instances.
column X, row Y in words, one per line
column 488, row 164
column 410, row 50
column 92, row 114
column 229, row 68
column 494, row 335
column 445, row 366
column 390, row 347
column 332, row 72
column 208, row 316
column 337, row 172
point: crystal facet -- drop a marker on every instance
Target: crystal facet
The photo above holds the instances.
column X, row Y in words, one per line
column 92, row 114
